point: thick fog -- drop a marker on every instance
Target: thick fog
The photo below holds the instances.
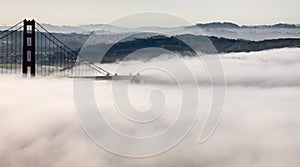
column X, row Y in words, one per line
column 260, row 124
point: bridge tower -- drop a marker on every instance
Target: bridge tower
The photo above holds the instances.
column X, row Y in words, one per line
column 28, row 47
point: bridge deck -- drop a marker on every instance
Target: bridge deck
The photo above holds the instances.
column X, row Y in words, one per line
column 134, row 78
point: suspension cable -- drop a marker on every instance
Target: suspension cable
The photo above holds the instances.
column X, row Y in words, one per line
column 11, row 28
column 11, row 32
column 86, row 62
column 80, row 59
column 96, row 66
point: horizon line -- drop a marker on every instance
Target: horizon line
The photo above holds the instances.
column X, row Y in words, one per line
column 195, row 23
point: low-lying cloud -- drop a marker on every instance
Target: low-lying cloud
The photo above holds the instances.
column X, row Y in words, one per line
column 260, row 125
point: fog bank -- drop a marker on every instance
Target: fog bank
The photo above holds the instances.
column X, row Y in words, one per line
column 260, row 125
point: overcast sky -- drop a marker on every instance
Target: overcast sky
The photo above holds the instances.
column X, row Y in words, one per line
column 76, row 12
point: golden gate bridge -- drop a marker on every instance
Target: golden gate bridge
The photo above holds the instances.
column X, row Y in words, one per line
column 27, row 48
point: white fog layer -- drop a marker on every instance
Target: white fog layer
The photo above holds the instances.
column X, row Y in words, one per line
column 260, row 124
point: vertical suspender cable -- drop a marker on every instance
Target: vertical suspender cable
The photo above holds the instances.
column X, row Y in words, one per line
column 6, row 57
column 2, row 57
column 11, row 53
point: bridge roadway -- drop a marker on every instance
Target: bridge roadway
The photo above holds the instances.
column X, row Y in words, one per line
column 134, row 78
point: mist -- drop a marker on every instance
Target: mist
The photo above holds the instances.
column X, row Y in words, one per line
column 39, row 125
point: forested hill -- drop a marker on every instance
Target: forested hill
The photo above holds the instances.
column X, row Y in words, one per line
column 209, row 45
column 177, row 44
column 224, row 45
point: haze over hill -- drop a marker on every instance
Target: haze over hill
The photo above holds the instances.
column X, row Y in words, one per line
column 225, row 30
column 225, row 37
column 217, row 29
column 112, row 49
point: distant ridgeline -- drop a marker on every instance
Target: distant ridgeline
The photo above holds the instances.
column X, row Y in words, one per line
column 122, row 49
column 174, row 44
column 232, row 25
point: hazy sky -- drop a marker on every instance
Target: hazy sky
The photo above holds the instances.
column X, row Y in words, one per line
column 75, row 12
